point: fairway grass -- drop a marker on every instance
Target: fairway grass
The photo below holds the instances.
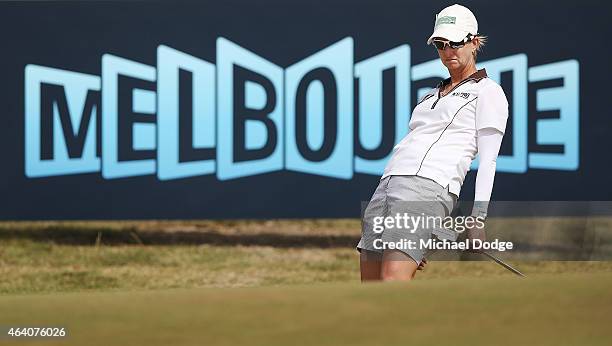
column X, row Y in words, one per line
column 544, row 309
column 42, row 267
column 290, row 283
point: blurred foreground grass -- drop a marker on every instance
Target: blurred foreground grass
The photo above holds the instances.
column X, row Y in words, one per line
column 567, row 309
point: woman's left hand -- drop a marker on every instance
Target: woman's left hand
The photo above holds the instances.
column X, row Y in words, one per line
column 422, row 264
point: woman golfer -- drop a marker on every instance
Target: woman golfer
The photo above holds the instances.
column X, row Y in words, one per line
column 463, row 116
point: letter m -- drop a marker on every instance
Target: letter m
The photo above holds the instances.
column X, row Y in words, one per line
column 61, row 122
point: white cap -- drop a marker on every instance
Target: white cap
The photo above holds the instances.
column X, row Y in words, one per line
column 454, row 23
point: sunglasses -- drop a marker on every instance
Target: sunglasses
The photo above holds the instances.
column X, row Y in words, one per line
column 441, row 44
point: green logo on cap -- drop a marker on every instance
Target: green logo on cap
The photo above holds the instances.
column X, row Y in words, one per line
column 446, row 20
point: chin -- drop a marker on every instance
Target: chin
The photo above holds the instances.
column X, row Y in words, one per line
column 452, row 64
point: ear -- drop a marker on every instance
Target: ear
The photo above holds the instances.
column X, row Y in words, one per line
column 476, row 42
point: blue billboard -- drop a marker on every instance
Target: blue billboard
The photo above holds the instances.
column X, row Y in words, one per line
column 276, row 109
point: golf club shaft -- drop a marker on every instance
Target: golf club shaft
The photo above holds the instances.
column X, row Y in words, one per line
column 502, row 263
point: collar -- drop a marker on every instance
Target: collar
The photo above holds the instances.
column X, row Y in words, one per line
column 477, row 76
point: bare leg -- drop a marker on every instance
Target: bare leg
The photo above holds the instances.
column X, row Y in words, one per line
column 370, row 265
column 397, row 266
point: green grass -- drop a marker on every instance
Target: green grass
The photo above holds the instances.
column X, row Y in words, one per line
column 293, row 283
column 544, row 309
column 35, row 267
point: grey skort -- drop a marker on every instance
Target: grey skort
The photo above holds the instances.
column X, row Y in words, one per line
column 406, row 196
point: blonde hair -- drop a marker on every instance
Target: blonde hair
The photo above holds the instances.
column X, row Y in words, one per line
column 482, row 39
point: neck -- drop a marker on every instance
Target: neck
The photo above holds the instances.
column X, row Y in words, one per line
column 460, row 74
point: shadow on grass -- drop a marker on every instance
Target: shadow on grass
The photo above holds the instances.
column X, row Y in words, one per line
column 92, row 236
column 103, row 236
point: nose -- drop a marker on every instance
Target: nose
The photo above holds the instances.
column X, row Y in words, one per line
column 448, row 51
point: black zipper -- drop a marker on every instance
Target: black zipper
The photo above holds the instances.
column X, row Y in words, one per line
column 455, row 87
